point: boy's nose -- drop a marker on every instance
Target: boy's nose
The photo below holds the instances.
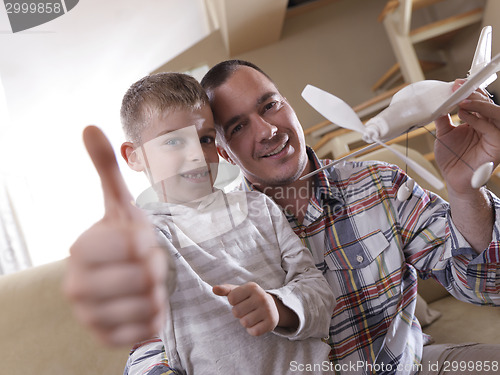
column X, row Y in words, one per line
column 195, row 153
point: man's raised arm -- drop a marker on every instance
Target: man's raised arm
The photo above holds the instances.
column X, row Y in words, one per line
column 476, row 141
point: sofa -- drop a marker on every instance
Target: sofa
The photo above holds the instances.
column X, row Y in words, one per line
column 448, row 320
column 40, row 336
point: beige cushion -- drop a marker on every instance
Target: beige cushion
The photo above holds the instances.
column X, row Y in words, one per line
column 424, row 313
column 39, row 334
column 430, row 290
column 463, row 322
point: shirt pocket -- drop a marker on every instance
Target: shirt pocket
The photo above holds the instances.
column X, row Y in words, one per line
column 367, row 268
column 357, row 254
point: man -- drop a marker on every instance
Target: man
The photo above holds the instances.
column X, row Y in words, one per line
column 346, row 207
column 368, row 245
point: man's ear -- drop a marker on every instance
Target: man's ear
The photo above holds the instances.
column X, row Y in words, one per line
column 133, row 156
column 223, row 153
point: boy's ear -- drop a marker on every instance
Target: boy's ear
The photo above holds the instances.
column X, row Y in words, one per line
column 133, row 156
column 223, row 153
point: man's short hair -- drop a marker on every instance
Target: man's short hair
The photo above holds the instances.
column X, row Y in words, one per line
column 155, row 94
column 219, row 73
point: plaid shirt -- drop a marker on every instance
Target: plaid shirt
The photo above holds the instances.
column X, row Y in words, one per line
column 148, row 357
column 371, row 247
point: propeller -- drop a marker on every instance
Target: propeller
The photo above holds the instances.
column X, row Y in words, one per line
column 411, row 107
column 339, row 112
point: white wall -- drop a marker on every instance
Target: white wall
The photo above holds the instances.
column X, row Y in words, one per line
column 62, row 76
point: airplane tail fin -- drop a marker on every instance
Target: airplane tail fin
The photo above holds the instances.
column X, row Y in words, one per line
column 482, row 56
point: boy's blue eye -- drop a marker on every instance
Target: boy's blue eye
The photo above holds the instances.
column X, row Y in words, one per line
column 173, row 142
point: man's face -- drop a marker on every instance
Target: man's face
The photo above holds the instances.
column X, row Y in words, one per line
column 261, row 133
column 179, row 155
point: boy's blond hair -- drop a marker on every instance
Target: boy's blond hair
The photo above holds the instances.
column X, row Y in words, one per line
column 153, row 95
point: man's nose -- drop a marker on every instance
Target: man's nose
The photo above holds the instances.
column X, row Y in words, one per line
column 264, row 129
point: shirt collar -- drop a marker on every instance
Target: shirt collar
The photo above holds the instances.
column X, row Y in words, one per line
column 247, row 185
column 325, row 181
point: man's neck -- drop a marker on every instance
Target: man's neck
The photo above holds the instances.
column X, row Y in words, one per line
column 293, row 197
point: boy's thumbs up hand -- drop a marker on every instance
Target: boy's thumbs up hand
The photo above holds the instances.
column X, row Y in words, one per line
column 253, row 306
column 116, row 274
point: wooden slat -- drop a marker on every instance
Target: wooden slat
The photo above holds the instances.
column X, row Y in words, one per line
column 418, row 4
column 324, row 140
column 316, row 127
column 446, row 25
column 429, row 156
column 393, row 70
column 392, row 5
column 378, row 98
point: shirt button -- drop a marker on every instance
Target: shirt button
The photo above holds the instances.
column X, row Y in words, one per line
column 360, row 258
column 302, row 234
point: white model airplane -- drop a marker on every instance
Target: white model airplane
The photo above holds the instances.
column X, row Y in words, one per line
column 416, row 105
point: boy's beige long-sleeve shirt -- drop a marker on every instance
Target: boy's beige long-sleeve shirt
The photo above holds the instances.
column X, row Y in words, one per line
column 237, row 238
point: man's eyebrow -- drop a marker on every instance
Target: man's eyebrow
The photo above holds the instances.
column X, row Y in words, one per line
column 266, row 96
column 259, row 101
column 233, row 120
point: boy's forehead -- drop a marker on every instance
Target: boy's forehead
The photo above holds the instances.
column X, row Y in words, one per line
column 200, row 119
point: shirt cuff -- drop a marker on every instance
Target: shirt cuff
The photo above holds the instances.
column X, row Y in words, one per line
column 291, row 301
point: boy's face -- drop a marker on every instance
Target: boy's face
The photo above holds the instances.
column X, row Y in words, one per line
column 179, row 155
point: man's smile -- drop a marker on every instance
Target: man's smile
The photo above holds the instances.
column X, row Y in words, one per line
column 277, row 148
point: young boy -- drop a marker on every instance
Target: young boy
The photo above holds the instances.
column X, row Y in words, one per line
column 248, row 298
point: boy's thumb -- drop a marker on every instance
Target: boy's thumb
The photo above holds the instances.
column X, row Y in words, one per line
column 224, row 289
